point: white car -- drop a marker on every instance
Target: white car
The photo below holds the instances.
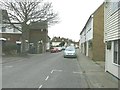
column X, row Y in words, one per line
column 59, row 48
column 70, row 52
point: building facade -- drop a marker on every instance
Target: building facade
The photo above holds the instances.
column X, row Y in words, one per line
column 8, row 35
column 7, row 32
column 38, row 37
column 112, row 36
column 92, row 36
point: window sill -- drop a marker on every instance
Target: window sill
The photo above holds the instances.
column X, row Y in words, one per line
column 116, row 64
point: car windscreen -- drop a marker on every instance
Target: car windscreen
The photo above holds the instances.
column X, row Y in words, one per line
column 70, row 49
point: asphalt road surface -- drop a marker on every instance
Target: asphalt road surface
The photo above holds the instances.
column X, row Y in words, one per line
column 49, row 70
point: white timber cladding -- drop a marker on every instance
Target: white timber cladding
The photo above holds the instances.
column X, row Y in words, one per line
column 111, row 33
column 111, row 25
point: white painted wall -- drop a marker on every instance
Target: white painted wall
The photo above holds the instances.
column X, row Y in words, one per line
column 82, row 41
column 55, row 43
column 82, row 37
column 86, row 48
column 48, row 46
column 109, row 65
column 87, row 34
column 89, row 30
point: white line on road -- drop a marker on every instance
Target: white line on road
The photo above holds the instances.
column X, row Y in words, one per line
column 58, row 70
column 78, row 72
column 47, row 78
column 8, row 66
column 52, row 71
column 40, row 87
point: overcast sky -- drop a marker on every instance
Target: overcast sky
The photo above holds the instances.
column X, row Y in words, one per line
column 73, row 15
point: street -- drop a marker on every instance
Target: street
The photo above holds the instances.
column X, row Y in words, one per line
column 49, row 70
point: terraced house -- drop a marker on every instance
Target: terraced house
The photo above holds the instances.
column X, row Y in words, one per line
column 112, row 36
column 92, row 35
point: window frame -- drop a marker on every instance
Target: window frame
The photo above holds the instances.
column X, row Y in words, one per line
column 3, row 29
column 115, row 6
column 115, row 63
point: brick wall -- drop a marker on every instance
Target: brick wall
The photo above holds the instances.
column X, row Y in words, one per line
column 37, row 35
column 98, row 34
column 11, row 37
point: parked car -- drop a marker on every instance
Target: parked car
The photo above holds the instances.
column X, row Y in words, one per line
column 54, row 50
column 63, row 47
column 59, row 48
column 70, row 52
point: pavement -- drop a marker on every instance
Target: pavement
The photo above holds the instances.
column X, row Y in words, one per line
column 95, row 73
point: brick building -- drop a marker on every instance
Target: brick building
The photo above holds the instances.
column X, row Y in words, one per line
column 38, row 37
column 92, row 35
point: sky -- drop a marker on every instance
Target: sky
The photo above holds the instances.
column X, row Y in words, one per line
column 73, row 16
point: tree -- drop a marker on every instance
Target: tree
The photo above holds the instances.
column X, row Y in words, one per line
column 27, row 11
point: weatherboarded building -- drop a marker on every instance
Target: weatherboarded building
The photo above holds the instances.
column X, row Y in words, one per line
column 112, row 36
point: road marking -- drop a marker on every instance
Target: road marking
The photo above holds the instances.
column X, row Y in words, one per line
column 8, row 66
column 52, row 71
column 47, row 78
column 58, row 70
column 40, row 87
column 78, row 72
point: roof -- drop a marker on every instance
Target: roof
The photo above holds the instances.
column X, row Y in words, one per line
column 86, row 24
column 59, row 39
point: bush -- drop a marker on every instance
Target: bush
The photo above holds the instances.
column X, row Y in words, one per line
column 9, row 49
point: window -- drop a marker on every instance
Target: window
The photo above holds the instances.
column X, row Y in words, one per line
column 90, row 43
column 116, row 52
column 15, row 30
column 115, row 6
column 119, row 52
column 3, row 29
column 44, row 29
column 109, row 45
